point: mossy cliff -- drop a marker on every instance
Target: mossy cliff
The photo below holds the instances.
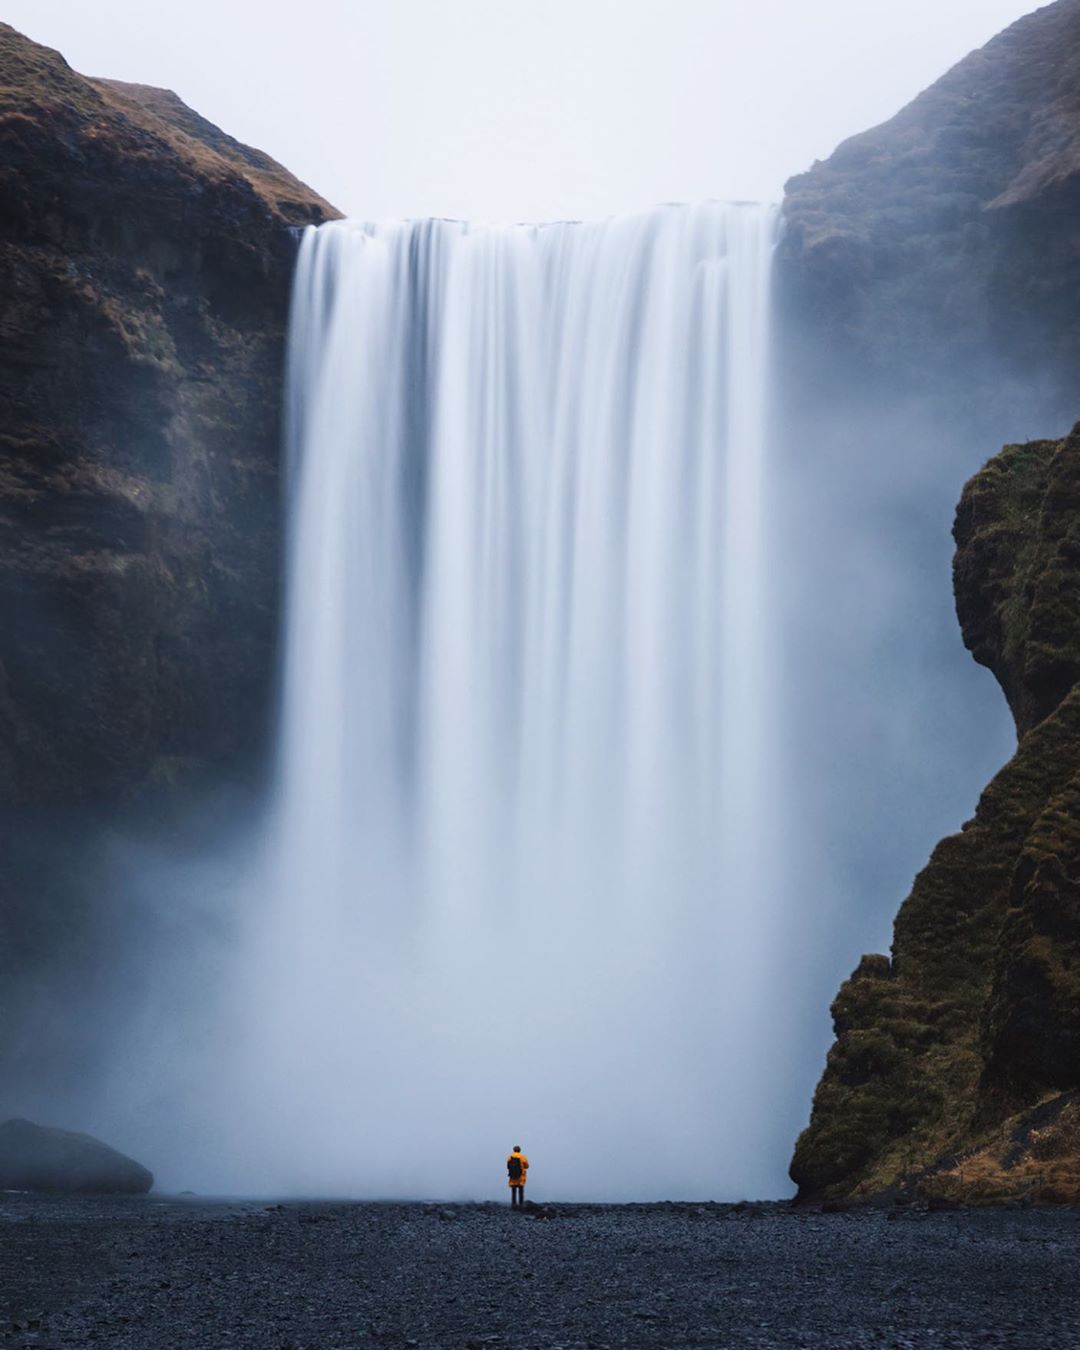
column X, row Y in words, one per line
column 956, row 1067
column 145, row 260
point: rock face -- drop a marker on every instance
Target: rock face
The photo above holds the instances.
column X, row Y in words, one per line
column 956, row 1067
column 40, row 1158
column 145, row 260
column 145, row 267
column 953, row 228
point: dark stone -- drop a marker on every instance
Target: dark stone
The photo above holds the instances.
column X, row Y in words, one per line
column 956, row 1070
column 145, row 267
column 42, row 1158
column 216, row 1274
column 944, row 244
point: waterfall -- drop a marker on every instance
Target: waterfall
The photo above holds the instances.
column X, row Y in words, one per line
column 522, row 888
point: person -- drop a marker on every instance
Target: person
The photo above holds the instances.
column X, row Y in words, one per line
column 516, row 1166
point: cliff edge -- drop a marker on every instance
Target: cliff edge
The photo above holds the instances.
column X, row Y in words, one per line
column 145, row 262
column 955, row 1073
column 953, row 227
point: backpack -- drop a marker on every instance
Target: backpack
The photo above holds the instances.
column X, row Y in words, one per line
column 514, row 1167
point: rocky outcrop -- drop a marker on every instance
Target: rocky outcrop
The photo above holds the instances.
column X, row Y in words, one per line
column 145, row 267
column 943, row 247
column 956, row 1067
column 42, row 1158
column 145, row 260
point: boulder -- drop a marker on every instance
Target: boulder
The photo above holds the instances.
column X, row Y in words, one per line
column 42, row 1158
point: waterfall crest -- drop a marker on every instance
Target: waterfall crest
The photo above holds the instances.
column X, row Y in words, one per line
column 521, row 884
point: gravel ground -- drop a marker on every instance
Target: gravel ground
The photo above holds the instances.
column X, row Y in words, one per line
column 192, row 1273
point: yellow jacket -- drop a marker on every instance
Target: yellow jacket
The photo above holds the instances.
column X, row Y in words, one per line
column 520, row 1181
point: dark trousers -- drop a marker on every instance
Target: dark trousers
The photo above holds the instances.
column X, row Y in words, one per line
column 517, row 1195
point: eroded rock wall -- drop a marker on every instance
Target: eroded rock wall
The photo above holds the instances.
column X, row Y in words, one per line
column 145, row 267
column 957, row 1059
column 145, row 260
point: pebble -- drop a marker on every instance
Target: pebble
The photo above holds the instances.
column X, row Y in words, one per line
column 137, row 1274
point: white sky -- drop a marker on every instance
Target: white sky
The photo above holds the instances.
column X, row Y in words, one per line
column 528, row 109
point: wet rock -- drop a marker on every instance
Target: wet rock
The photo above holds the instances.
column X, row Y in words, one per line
column 42, row 1158
column 145, row 265
column 630, row 1275
column 955, row 1077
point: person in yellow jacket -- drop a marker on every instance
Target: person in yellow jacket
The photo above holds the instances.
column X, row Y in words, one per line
column 517, row 1165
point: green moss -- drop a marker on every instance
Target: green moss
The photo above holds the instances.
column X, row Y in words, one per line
column 977, row 1015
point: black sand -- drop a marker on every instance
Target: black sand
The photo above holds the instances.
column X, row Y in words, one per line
column 133, row 1274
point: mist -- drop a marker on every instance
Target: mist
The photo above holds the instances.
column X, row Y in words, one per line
column 313, row 992
column 505, row 882
column 504, row 110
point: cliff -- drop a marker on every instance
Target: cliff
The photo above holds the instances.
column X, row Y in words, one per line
column 953, row 227
column 956, row 1068
column 145, row 260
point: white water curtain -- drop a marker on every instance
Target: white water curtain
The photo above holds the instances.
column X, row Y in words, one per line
column 522, row 877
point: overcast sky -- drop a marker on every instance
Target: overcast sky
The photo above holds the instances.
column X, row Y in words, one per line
column 528, row 109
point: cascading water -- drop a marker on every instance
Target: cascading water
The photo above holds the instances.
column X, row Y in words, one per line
column 522, row 890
